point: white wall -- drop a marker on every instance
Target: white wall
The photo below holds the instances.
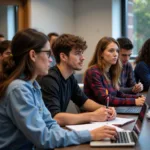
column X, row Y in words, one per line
column 52, row 15
column 90, row 19
column 93, row 20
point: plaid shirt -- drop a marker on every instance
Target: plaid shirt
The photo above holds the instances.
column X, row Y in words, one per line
column 127, row 76
column 95, row 85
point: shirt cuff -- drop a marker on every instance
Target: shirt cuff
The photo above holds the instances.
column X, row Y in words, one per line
column 85, row 136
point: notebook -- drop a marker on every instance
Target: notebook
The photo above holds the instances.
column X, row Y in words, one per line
column 125, row 138
column 132, row 109
column 90, row 126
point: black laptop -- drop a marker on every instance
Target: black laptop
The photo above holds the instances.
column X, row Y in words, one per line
column 133, row 109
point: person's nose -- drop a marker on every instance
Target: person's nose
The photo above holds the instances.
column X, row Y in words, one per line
column 82, row 57
column 116, row 54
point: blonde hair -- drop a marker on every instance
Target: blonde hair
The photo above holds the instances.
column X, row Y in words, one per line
column 97, row 60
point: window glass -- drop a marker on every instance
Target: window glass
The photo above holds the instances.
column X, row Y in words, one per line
column 138, row 19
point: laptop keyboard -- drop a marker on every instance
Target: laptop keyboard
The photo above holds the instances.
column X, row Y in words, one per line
column 123, row 138
column 128, row 110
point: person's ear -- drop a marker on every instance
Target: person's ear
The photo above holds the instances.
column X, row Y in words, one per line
column 63, row 57
column 32, row 55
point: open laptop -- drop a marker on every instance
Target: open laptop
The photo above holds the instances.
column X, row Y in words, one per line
column 132, row 109
column 125, row 138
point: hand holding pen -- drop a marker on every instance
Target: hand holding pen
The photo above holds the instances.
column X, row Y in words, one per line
column 111, row 115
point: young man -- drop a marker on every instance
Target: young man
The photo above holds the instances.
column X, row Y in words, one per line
column 52, row 37
column 128, row 84
column 60, row 86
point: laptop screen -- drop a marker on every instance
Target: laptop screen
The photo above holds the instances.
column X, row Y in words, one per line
column 138, row 125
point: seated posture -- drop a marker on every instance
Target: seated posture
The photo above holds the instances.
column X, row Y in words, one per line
column 25, row 122
column 60, row 85
column 142, row 69
column 4, row 51
column 103, row 75
column 128, row 84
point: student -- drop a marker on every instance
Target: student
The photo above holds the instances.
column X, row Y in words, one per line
column 60, row 86
column 142, row 69
column 24, row 119
column 128, row 84
column 4, row 51
column 103, row 74
column 52, row 37
column 2, row 38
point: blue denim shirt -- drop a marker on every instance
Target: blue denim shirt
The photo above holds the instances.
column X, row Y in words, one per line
column 25, row 121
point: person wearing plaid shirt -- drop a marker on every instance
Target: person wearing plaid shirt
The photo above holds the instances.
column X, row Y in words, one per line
column 103, row 74
column 127, row 80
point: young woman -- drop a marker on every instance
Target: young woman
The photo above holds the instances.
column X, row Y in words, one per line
column 142, row 68
column 24, row 120
column 103, row 74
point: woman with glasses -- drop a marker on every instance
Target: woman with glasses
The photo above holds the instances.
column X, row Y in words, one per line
column 25, row 122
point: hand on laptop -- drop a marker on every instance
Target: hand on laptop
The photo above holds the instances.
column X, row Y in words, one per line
column 103, row 114
column 103, row 132
column 140, row 100
column 137, row 88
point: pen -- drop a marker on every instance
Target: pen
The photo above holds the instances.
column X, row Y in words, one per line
column 107, row 104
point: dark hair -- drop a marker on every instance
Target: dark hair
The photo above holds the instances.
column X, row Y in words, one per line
column 144, row 53
column 64, row 44
column 20, row 63
column 4, row 45
column 52, row 34
column 115, row 70
column 125, row 43
column 1, row 35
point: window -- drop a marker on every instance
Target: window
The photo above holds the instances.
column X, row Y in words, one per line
column 136, row 22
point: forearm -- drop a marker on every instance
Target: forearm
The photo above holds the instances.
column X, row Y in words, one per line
column 126, row 90
column 91, row 105
column 72, row 119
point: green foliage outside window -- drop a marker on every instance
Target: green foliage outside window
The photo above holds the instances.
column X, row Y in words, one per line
column 141, row 11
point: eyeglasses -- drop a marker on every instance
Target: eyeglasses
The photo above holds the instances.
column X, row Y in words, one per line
column 48, row 52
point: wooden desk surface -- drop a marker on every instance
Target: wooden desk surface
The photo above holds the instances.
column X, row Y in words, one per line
column 142, row 144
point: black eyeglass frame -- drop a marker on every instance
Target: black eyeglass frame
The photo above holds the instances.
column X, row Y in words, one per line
column 48, row 52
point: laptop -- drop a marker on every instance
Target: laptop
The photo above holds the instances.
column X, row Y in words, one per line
column 125, row 138
column 133, row 109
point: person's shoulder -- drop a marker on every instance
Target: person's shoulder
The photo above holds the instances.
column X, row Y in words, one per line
column 141, row 63
column 54, row 76
column 53, row 73
column 18, row 83
column 94, row 69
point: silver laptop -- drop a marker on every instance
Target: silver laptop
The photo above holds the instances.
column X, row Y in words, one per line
column 125, row 138
column 132, row 109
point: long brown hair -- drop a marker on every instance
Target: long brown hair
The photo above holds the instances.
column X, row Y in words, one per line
column 97, row 60
column 19, row 64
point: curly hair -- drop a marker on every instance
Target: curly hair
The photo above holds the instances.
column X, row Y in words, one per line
column 64, row 44
column 144, row 53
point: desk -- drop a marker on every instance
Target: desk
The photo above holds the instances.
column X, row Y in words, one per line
column 142, row 144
